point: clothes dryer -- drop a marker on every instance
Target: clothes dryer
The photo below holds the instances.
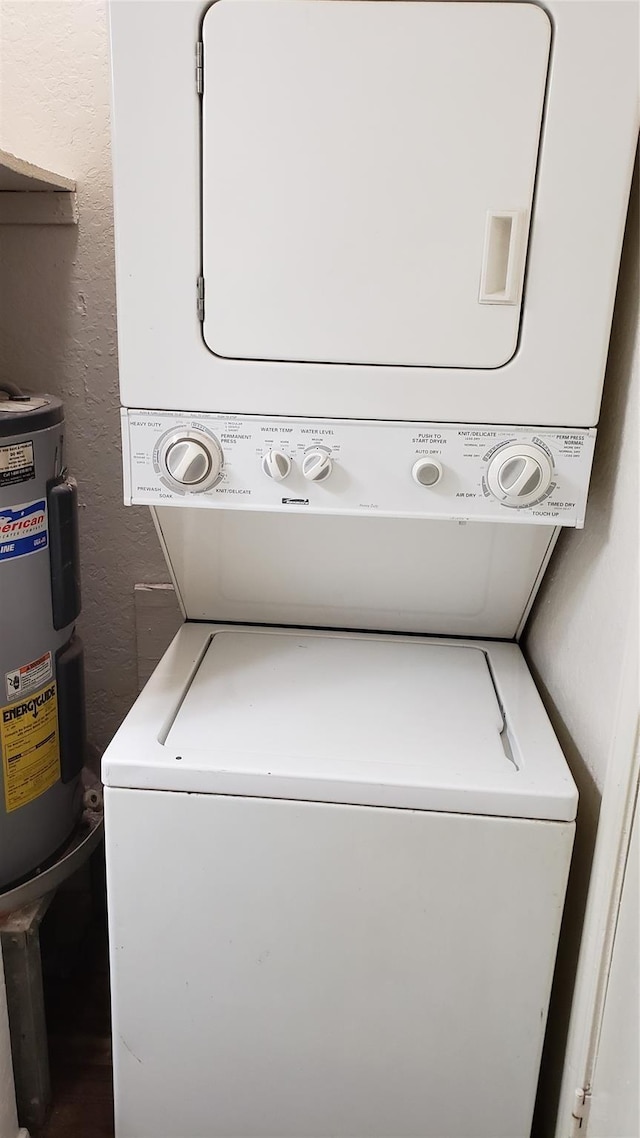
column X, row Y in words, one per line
column 381, row 210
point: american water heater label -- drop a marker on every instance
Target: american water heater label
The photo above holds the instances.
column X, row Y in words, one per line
column 25, row 679
column 30, row 747
column 16, row 463
column 23, row 529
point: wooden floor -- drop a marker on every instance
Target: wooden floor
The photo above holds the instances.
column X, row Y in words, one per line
column 78, row 1023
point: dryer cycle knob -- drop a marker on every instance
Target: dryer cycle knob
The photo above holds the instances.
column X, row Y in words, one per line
column 192, row 459
column 519, row 474
column 317, row 464
column 276, row 465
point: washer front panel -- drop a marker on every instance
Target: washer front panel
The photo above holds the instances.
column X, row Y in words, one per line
column 372, row 467
column 329, row 982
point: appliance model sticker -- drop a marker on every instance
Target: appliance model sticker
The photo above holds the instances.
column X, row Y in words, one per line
column 25, row 679
column 23, row 529
column 30, row 747
column 16, row 463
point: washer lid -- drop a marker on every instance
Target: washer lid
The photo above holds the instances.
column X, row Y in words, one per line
column 344, row 719
column 358, row 718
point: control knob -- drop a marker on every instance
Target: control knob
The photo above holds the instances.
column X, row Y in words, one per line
column 426, row 472
column 192, row 459
column 317, row 464
column 519, row 474
column 276, row 465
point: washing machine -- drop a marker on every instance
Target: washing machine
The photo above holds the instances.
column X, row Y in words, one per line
column 337, row 858
column 362, row 339
column 337, row 865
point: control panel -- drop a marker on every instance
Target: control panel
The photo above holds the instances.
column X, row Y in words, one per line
column 394, row 469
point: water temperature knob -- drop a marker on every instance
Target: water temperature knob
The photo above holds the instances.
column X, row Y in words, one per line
column 276, row 465
column 317, row 464
column 519, row 474
column 192, row 459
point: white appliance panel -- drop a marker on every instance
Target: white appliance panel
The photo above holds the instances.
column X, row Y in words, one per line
column 345, row 717
column 299, row 970
column 306, row 706
column 584, row 172
column 393, row 574
column 368, row 174
column 374, row 468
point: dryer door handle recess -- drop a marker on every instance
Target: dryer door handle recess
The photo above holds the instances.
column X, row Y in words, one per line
column 504, row 257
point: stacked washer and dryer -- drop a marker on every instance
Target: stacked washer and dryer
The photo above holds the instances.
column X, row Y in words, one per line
column 366, row 264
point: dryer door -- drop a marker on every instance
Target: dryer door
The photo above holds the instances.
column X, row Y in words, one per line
column 368, row 177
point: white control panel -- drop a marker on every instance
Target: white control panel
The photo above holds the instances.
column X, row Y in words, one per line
column 394, row 469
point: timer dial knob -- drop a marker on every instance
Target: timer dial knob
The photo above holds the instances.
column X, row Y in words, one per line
column 276, row 465
column 519, row 474
column 317, row 464
column 192, row 459
column 426, row 472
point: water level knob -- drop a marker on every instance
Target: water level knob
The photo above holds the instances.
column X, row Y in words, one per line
column 317, row 464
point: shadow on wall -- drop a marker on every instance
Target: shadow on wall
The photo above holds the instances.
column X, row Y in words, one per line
column 615, row 409
column 570, row 933
column 45, row 290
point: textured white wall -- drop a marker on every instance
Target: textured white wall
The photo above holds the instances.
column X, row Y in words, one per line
column 584, row 618
column 57, row 315
column 577, row 633
column 615, row 1110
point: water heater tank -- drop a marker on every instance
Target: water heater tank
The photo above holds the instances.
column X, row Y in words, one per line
column 42, row 718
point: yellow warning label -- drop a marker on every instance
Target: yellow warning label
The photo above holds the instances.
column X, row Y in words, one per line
column 30, row 747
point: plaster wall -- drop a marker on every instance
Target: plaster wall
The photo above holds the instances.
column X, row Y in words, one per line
column 615, row 1110
column 57, row 316
column 582, row 634
column 576, row 637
